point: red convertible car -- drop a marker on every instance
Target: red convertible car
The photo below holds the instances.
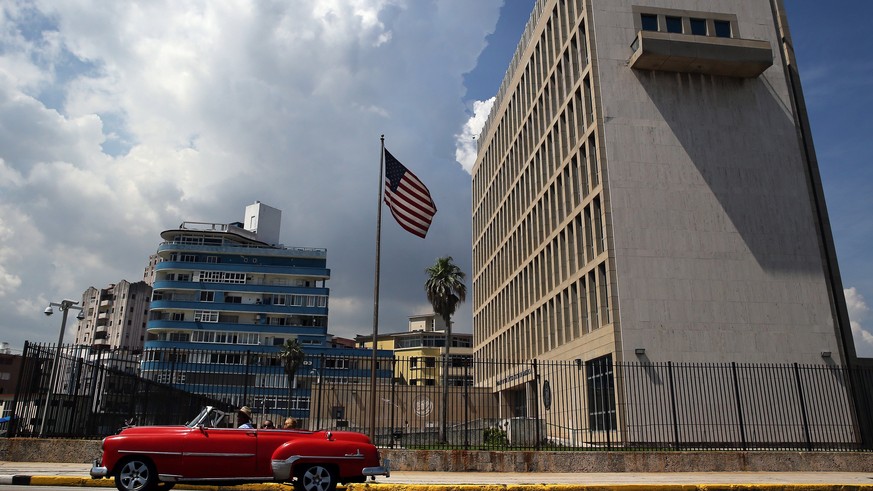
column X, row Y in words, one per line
column 205, row 451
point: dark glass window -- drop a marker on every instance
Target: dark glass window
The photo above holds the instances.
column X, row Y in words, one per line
column 698, row 27
column 601, row 394
column 722, row 28
column 649, row 22
column 674, row 24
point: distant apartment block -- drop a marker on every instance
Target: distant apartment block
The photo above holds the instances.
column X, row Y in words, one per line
column 229, row 295
column 421, row 350
column 115, row 316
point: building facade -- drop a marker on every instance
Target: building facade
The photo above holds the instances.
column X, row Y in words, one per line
column 646, row 190
column 419, row 352
column 229, row 296
column 115, row 316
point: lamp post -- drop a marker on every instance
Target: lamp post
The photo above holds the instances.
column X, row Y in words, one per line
column 65, row 306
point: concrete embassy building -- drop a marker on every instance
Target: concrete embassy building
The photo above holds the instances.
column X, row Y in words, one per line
column 646, row 189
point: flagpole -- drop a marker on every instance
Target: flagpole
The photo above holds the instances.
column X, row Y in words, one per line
column 376, row 294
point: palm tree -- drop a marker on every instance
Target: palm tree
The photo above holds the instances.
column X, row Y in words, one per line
column 445, row 290
column 291, row 355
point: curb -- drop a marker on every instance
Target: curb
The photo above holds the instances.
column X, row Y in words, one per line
column 87, row 482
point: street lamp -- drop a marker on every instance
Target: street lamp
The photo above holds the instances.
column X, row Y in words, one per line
column 65, row 306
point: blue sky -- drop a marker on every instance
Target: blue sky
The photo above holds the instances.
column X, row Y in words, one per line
column 836, row 69
column 120, row 120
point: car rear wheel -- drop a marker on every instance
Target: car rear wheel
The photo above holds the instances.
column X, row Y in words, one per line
column 316, row 477
column 136, row 474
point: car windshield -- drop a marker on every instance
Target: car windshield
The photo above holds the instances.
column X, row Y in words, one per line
column 209, row 417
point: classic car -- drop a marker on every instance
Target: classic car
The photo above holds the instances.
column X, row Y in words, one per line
column 206, row 451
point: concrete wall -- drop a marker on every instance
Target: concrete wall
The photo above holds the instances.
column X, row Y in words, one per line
column 714, row 233
column 83, row 451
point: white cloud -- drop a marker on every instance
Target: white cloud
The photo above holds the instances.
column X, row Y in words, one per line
column 858, row 312
column 209, row 106
column 465, row 142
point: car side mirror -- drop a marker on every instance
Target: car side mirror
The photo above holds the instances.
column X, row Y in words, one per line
column 329, row 435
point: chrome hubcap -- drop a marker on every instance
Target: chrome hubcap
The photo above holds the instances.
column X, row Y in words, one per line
column 134, row 475
column 316, row 478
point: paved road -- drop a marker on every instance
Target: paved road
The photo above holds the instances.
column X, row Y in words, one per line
column 78, row 474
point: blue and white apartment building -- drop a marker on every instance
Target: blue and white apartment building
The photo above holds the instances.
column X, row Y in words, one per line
column 226, row 298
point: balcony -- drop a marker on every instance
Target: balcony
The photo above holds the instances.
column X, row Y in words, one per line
column 687, row 53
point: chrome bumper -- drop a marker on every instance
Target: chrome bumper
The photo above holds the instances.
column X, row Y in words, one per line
column 382, row 470
column 282, row 468
column 98, row 471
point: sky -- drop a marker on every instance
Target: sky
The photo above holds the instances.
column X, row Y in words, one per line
column 119, row 120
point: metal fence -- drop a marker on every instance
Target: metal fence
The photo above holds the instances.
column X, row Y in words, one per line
column 489, row 404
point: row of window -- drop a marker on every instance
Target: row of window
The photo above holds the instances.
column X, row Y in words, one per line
column 295, row 300
column 224, row 337
column 251, row 319
column 233, row 278
column 570, row 188
column 276, row 299
column 542, row 191
column 580, row 242
column 561, row 25
column 432, row 341
column 575, row 311
column 688, row 25
column 198, row 239
column 220, row 277
column 517, row 138
column 225, row 358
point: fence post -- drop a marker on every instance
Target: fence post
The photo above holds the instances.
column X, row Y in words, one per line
column 802, row 406
column 92, row 395
column 673, row 404
column 393, row 400
column 134, row 396
column 611, row 396
column 15, row 414
column 739, row 404
column 245, row 396
column 537, row 402
column 321, row 391
column 466, row 407
column 173, row 356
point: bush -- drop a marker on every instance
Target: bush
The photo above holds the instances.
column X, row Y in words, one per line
column 495, row 436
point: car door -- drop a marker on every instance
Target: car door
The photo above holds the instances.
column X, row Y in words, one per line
column 220, row 453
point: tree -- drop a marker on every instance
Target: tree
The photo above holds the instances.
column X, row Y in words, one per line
column 291, row 355
column 445, row 291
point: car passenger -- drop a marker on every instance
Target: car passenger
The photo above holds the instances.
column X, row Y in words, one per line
column 244, row 417
column 267, row 425
column 290, row 424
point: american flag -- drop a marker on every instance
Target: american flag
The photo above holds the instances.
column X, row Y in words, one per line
column 407, row 198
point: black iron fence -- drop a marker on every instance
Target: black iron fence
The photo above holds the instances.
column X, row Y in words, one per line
column 572, row 404
column 91, row 394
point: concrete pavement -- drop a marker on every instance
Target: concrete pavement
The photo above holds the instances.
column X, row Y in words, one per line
column 53, row 474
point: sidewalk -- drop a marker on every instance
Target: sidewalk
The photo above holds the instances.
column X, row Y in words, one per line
column 52, row 474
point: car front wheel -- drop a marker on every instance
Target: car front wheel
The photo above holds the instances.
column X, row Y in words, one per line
column 316, row 477
column 136, row 474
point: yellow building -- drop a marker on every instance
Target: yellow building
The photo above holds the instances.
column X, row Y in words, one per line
column 419, row 352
